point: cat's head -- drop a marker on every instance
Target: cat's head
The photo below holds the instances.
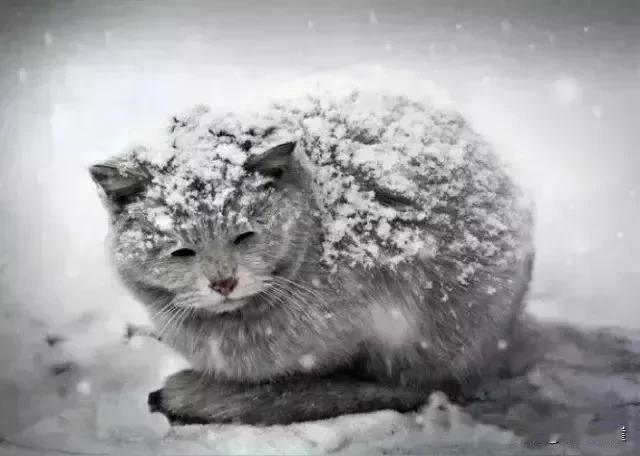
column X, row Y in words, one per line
column 209, row 238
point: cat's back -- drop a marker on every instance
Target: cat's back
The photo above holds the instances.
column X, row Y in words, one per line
column 399, row 180
column 394, row 179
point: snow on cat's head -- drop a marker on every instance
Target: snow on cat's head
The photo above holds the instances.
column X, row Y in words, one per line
column 209, row 227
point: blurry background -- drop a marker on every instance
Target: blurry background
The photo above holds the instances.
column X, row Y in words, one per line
column 554, row 85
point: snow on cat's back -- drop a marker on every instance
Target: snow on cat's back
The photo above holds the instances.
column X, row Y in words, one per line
column 383, row 168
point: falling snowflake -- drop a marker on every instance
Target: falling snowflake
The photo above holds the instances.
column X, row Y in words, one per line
column 505, row 26
column 566, row 90
column 22, row 75
column 491, row 290
column 311, row 24
column 48, row 39
column 620, row 235
column 308, row 361
column 388, row 47
column 502, row 344
column 373, row 18
column 83, row 387
column 596, row 111
column 458, row 26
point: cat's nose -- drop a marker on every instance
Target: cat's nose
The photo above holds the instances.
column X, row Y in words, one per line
column 224, row 286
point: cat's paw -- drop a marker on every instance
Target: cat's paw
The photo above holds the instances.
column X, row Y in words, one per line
column 176, row 399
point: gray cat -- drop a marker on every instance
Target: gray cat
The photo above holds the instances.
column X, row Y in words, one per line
column 331, row 254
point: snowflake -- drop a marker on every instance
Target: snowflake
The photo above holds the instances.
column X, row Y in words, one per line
column 308, row 361
column 83, row 387
column 566, row 90
column 373, row 18
column 22, row 75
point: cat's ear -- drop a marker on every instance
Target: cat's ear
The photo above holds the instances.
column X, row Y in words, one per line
column 274, row 162
column 118, row 183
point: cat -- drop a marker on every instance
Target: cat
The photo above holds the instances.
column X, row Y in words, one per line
column 330, row 254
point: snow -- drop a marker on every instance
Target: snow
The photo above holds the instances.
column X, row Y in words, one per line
column 22, row 75
column 373, row 18
column 384, row 143
column 567, row 90
column 596, row 111
column 111, row 417
column 515, row 111
column 123, row 417
column 308, row 361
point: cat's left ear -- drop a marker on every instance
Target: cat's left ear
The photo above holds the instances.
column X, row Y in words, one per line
column 275, row 162
column 118, row 183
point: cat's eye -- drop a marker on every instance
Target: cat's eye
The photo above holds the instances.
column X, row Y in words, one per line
column 243, row 237
column 183, row 253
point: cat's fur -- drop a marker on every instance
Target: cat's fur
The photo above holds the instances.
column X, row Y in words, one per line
column 305, row 335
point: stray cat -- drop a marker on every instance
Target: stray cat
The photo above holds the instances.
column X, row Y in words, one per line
column 331, row 254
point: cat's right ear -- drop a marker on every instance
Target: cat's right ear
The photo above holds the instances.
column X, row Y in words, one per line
column 274, row 162
column 118, row 184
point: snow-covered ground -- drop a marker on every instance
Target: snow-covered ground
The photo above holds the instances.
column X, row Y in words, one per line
column 555, row 87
